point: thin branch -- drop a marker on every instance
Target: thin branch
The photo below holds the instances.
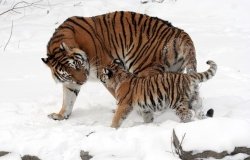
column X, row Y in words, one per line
column 9, row 37
column 78, row 4
column 190, row 155
column 15, row 7
column 90, row 133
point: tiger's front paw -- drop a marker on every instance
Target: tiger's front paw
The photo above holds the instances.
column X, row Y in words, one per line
column 115, row 125
column 56, row 116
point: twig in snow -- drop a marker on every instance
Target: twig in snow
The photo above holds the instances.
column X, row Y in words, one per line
column 85, row 155
column 17, row 6
column 190, row 155
column 90, row 133
column 78, row 4
column 9, row 37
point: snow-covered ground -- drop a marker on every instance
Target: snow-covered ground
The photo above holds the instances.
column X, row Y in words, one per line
column 220, row 31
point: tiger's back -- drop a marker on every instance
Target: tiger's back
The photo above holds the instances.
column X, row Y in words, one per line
column 140, row 41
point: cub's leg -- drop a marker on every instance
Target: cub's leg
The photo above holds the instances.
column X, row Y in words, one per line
column 183, row 111
column 120, row 114
column 70, row 92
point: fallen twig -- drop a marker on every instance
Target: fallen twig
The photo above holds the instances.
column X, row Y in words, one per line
column 9, row 37
column 85, row 155
column 17, row 6
column 90, row 133
column 190, row 155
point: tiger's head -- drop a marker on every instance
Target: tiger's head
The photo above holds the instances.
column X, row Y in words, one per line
column 113, row 73
column 68, row 65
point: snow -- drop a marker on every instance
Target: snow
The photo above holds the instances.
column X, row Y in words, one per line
column 220, row 31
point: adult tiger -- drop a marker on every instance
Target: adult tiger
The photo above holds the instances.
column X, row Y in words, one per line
column 144, row 44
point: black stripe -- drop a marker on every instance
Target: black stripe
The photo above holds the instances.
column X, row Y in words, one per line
column 140, row 18
column 123, row 41
column 144, row 26
column 75, row 91
column 159, row 93
column 68, row 27
column 134, row 22
column 175, row 50
column 130, row 33
column 122, row 46
column 102, row 33
column 206, row 75
column 117, row 54
column 113, row 25
column 154, row 27
column 107, row 29
column 57, row 36
column 149, row 26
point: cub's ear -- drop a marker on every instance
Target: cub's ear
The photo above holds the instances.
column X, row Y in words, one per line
column 45, row 60
column 118, row 62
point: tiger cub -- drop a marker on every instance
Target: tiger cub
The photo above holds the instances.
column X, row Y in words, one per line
column 154, row 93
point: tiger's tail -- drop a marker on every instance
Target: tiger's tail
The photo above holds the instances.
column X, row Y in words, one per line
column 204, row 76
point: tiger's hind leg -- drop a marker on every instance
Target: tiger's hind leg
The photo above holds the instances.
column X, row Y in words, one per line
column 183, row 111
column 196, row 105
column 70, row 92
column 120, row 114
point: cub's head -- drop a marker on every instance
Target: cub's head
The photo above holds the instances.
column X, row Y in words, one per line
column 68, row 65
column 112, row 73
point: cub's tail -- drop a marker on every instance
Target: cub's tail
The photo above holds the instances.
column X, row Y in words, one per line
column 204, row 76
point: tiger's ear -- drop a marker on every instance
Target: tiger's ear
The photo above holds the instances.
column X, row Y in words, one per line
column 45, row 60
